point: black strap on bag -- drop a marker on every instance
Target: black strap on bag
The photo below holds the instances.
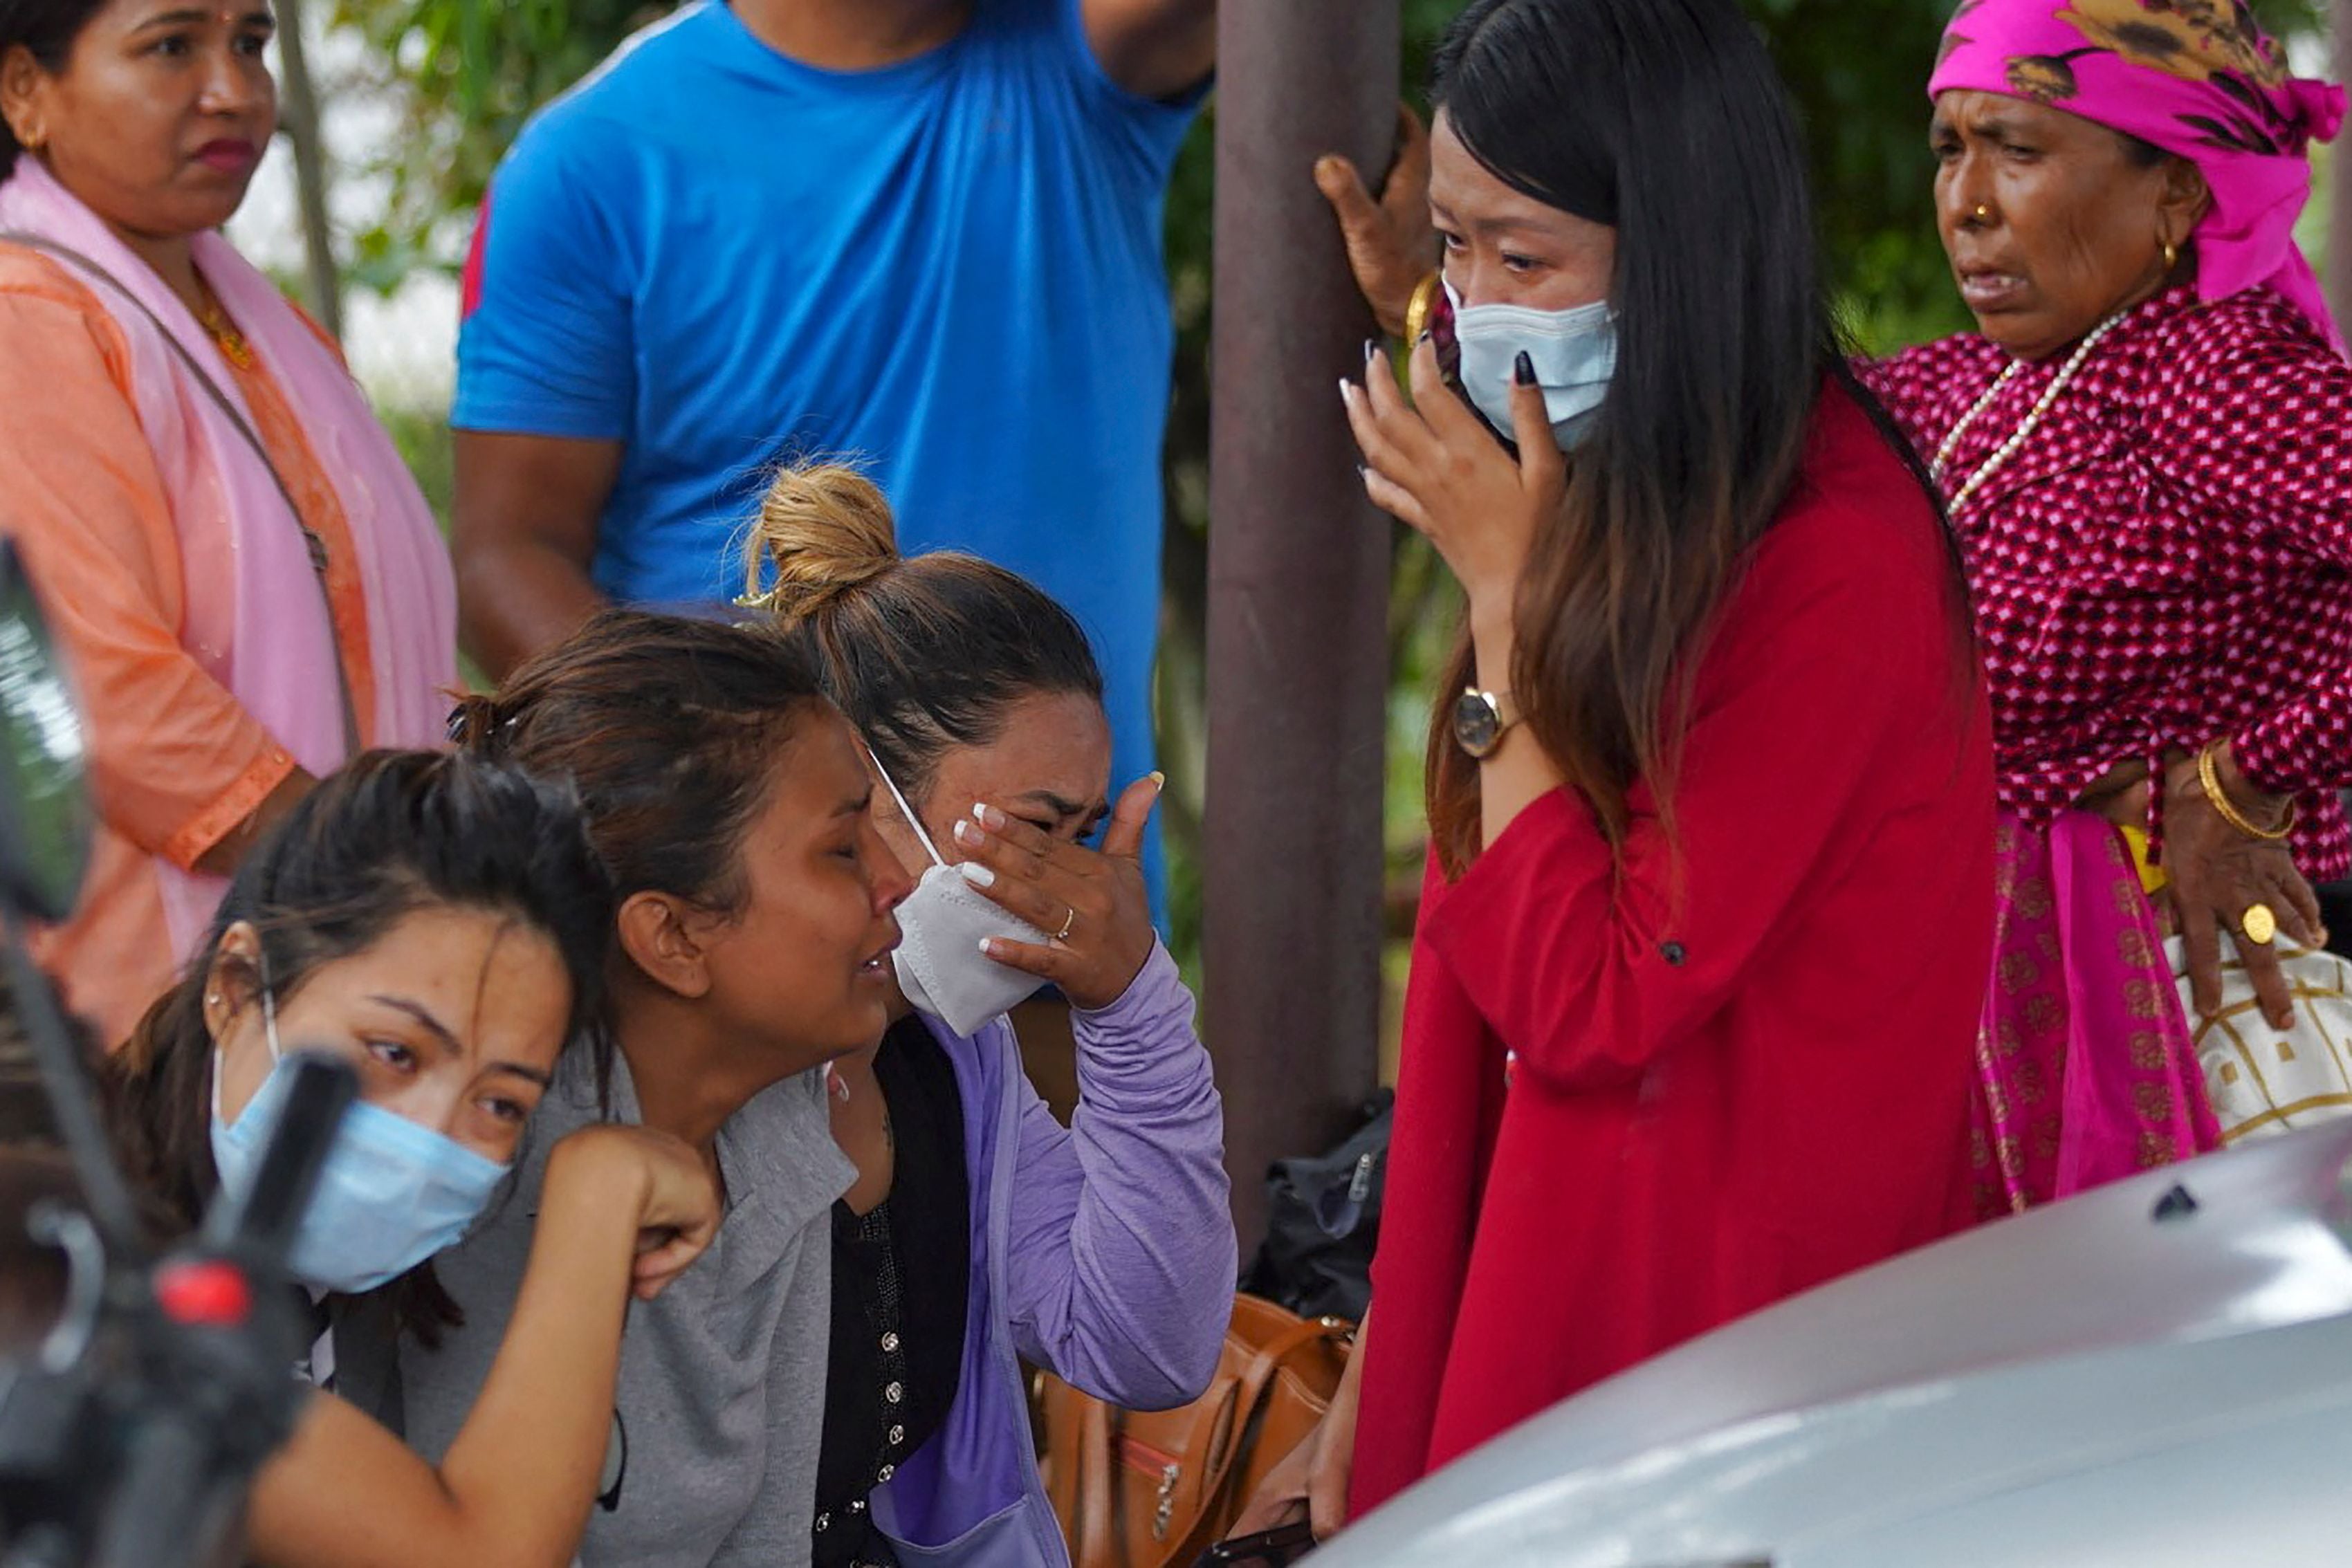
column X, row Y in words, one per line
column 315, row 546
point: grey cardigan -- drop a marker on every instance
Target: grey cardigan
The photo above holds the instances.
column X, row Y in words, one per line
column 722, row 1376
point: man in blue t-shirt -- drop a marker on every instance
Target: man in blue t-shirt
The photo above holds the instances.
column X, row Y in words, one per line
column 922, row 234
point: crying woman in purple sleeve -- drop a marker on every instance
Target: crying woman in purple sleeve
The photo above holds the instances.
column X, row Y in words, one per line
column 980, row 1231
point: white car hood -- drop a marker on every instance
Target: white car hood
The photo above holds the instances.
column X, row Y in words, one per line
column 2059, row 1341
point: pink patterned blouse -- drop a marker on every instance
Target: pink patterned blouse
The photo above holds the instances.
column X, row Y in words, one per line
column 2168, row 558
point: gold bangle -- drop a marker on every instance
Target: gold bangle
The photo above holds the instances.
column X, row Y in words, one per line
column 2209, row 778
column 1417, row 308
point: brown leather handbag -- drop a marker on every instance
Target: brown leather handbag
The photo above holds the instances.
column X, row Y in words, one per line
column 1137, row 1488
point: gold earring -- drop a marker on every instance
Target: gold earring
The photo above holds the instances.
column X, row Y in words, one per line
column 2171, row 257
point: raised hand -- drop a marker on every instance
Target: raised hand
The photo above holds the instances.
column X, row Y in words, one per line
column 1392, row 245
column 1434, row 466
column 1092, row 900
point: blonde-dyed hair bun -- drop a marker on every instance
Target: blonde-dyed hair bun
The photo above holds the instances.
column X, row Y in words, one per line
column 824, row 529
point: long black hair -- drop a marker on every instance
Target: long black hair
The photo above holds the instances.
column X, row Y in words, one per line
column 47, row 29
column 1665, row 119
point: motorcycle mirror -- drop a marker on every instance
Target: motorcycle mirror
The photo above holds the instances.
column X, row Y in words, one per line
column 45, row 816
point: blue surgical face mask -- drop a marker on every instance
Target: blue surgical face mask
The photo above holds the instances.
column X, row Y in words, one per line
column 1574, row 353
column 390, row 1195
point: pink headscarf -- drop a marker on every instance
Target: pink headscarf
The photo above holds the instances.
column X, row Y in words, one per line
column 2196, row 78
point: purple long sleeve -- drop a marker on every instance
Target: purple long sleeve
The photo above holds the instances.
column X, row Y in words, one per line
column 1121, row 1256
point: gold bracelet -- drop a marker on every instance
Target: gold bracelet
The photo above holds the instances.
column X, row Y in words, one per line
column 1417, row 308
column 2209, row 778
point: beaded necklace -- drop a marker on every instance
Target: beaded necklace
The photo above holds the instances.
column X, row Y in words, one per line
column 2025, row 427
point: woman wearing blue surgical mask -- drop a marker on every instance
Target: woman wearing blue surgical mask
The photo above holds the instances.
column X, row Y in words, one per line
column 980, row 1231
column 1691, row 1023
column 440, row 925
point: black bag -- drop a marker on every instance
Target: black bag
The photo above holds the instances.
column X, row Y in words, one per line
column 1323, row 1219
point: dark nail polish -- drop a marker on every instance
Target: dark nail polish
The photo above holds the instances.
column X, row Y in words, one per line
column 1523, row 369
column 1371, row 349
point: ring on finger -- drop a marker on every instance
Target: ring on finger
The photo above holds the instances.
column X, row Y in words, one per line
column 2259, row 923
column 1068, row 921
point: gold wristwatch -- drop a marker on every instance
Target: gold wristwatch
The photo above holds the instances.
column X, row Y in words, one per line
column 1481, row 719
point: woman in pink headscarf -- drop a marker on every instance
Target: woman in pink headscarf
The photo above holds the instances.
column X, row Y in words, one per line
column 2145, row 451
column 246, row 577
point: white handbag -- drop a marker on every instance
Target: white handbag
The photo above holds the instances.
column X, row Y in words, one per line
column 2263, row 1080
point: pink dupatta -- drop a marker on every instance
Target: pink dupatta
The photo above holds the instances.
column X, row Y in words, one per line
column 256, row 619
column 2086, row 1072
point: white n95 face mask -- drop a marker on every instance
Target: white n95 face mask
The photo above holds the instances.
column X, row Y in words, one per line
column 941, row 924
column 1574, row 353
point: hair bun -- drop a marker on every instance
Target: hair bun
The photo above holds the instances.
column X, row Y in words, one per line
column 824, row 531
column 475, row 724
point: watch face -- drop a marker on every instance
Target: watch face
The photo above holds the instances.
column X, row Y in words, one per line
column 1477, row 725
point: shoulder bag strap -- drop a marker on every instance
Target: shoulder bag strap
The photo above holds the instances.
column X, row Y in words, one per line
column 1256, row 1382
column 315, row 546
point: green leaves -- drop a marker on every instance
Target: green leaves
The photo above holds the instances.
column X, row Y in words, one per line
column 466, row 74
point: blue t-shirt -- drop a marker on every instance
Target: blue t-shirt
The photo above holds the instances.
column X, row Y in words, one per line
column 949, row 269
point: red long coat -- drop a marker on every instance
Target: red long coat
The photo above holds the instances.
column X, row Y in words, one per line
column 1717, row 1105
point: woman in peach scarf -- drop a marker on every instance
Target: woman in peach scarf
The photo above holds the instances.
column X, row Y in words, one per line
column 249, row 583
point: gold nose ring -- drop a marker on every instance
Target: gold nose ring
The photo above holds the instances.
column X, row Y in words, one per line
column 1983, row 214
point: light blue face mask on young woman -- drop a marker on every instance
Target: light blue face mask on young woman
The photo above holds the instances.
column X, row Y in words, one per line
column 390, row 1195
column 1574, row 353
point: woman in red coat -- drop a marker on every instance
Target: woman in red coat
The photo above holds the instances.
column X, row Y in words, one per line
column 1709, row 905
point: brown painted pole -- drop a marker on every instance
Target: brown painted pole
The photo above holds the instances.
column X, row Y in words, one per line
column 2339, row 216
column 1298, row 582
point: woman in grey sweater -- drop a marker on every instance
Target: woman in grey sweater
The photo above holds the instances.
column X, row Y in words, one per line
column 732, row 806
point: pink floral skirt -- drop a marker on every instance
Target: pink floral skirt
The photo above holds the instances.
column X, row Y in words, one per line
column 2084, row 1067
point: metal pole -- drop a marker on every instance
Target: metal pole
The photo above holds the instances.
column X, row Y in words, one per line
column 1298, row 582
column 2340, row 218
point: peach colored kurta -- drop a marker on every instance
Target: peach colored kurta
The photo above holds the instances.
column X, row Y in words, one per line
column 177, row 761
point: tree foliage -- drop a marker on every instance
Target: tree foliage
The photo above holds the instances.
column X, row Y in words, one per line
column 469, row 73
